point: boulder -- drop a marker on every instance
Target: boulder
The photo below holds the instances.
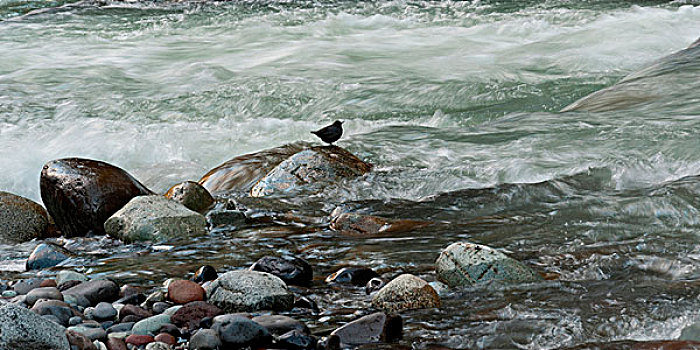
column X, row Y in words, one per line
column 21, row 219
column 406, row 292
column 466, row 264
column 370, row 329
column 357, row 224
column 242, row 290
column 291, row 270
column 192, row 195
column 154, row 218
column 80, row 194
column 46, row 255
column 23, row 329
column 309, row 170
column 95, row 291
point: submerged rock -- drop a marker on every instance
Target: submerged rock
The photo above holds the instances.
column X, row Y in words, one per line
column 358, row 224
column 192, row 195
column 154, row 218
column 309, row 169
column 370, row 329
column 23, row 329
column 406, row 292
column 21, row 219
column 46, row 255
column 242, row 290
column 465, row 264
column 291, row 270
column 80, row 194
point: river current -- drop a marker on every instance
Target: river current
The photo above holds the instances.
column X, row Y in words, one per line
column 457, row 105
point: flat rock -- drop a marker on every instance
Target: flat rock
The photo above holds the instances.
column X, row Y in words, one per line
column 23, row 329
column 80, row 194
column 406, row 292
column 95, row 291
column 21, row 219
column 370, row 329
column 46, row 255
column 291, row 270
column 192, row 195
column 243, row 290
column 154, row 218
column 48, row 293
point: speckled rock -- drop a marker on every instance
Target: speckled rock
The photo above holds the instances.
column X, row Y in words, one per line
column 406, row 292
column 95, row 291
column 370, row 329
column 192, row 195
column 21, row 219
column 192, row 313
column 465, row 264
column 80, row 194
column 46, row 255
column 243, row 290
column 291, row 270
column 309, row 170
column 154, row 218
column 205, row 339
column 23, row 329
column 183, row 291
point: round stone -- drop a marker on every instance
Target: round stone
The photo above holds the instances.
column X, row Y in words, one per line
column 406, row 292
column 183, row 291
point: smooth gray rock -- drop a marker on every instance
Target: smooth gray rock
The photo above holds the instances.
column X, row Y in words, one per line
column 21, row 219
column 280, row 324
column 691, row 332
column 205, row 339
column 95, row 291
column 64, row 276
column 24, row 329
column 192, row 195
column 406, row 292
column 48, row 293
column 25, row 286
column 150, row 325
column 242, row 290
column 103, row 311
column 154, row 218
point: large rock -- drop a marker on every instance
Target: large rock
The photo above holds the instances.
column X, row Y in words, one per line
column 406, row 292
column 242, row 290
column 466, row 264
column 23, row 329
column 154, row 218
column 21, row 219
column 192, row 195
column 309, row 170
column 370, row 329
column 80, row 194
column 95, row 291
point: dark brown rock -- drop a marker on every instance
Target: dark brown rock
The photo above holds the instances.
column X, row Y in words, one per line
column 79, row 340
column 80, row 194
column 183, row 292
column 356, row 275
column 21, row 219
column 192, row 195
column 48, row 283
column 192, row 313
column 96, row 291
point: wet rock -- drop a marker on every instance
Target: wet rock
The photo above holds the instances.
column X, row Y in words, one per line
column 296, row 340
column 133, row 310
column 357, row 224
column 103, row 312
column 204, row 274
column 691, row 332
column 64, row 276
column 48, row 283
column 239, row 332
column 279, row 324
column 241, row 173
column 75, row 320
column 60, row 310
column 25, row 286
column 370, row 329
column 465, row 264
column 358, row 276
column 183, row 291
column 67, row 285
column 138, row 339
column 23, row 329
column 121, row 327
column 79, row 340
column 150, row 325
column 406, row 292
column 94, row 333
column 291, row 270
column 46, row 255
column 48, row 293
column 165, row 338
column 303, row 302
column 205, row 339
column 21, row 219
column 226, row 219
column 331, row 342
column 154, row 218
column 95, row 291
column 192, row 195
column 249, row 291
column 192, row 313
column 374, row 285
column 309, row 170
column 116, row 344
column 80, row 194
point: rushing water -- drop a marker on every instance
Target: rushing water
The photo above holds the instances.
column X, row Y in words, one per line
column 455, row 103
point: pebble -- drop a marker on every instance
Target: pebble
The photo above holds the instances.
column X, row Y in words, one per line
column 116, row 344
column 192, row 313
column 184, row 291
column 133, row 310
column 91, row 332
column 165, row 338
column 103, row 312
column 58, row 309
column 76, row 339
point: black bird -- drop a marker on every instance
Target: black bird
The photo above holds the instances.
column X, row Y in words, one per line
column 331, row 133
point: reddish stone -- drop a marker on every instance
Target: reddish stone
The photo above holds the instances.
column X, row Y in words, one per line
column 115, row 344
column 166, row 338
column 190, row 314
column 137, row 311
column 184, row 291
column 138, row 340
column 79, row 340
column 48, row 283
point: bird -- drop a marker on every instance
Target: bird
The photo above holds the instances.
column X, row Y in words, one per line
column 330, row 133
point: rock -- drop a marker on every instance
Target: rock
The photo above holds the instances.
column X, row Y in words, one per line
column 691, row 332
column 153, row 298
column 25, row 286
column 172, row 310
column 150, row 325
column 239, row 332
column 48, row 283
column 64, row 276
column 80, row 194
column 406, row 292
column 465, row 264
column 331, row 342
column 358, row 276
column 116, row 344
column 95, row 291
column 121, row 327
column 374, row 285
column 192, row 195
column 75, row 320
column 160, row 307
column 241, row 173
column 156, row 345
column 357, row 224
column 138, row 340
column 370, row 329
column 309, row 170
column 79, row 340
column 46, row 255
column 225, row 219
column 48, row 293
column 103, row 312
column 192, row 313
column 9, row 294
column 205, row 339
column 94, row 333
column 303, row 302
column 21, row 219
column 76, row 301
column 296, row 340
column 249, row 291
column 165, row 338
column 291, row 270
column 183, row 292
column 67, row 285
column 23, row 329
column 279, row 324
column 154, row 218
column 62, row 311
column 204, row 274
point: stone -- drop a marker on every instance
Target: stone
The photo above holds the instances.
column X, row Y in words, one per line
column 95, row 291
column 239, row 332
column 76, row 301
column 9, row 294
column 21, row 219
column 370, row 329
column 357, row 224
column 192, row 313
column 224, row 219
column 404, row 293
column 94, row 333
column 205, row 339
column 121, row 327
column 192, row 195
column 204, row 274
column 296, row 340
column 156, row 345
column 48, row 283
column 172, row 310
column 23, row 329
column 46, row 255
column 303, row 302
column 139, row 340
column 75, row 320
column 25, row 286
column 242, row 290
column 116, row 344
column 331, row 342
column 150, row 325
column 358, row 276
column 62, row 311
column 466, row 264
column 374, row 285
column 291, row 270
column 68, row 284
column 309, row 170
column 165, row 338
column 279, row 324
column 156, row 296
column 183, row 292
column 103, row 312
column 48, row 293
column 80, row 194
column 154, row 218
column 691, row 332
column 79, row 340
column 64, row 276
